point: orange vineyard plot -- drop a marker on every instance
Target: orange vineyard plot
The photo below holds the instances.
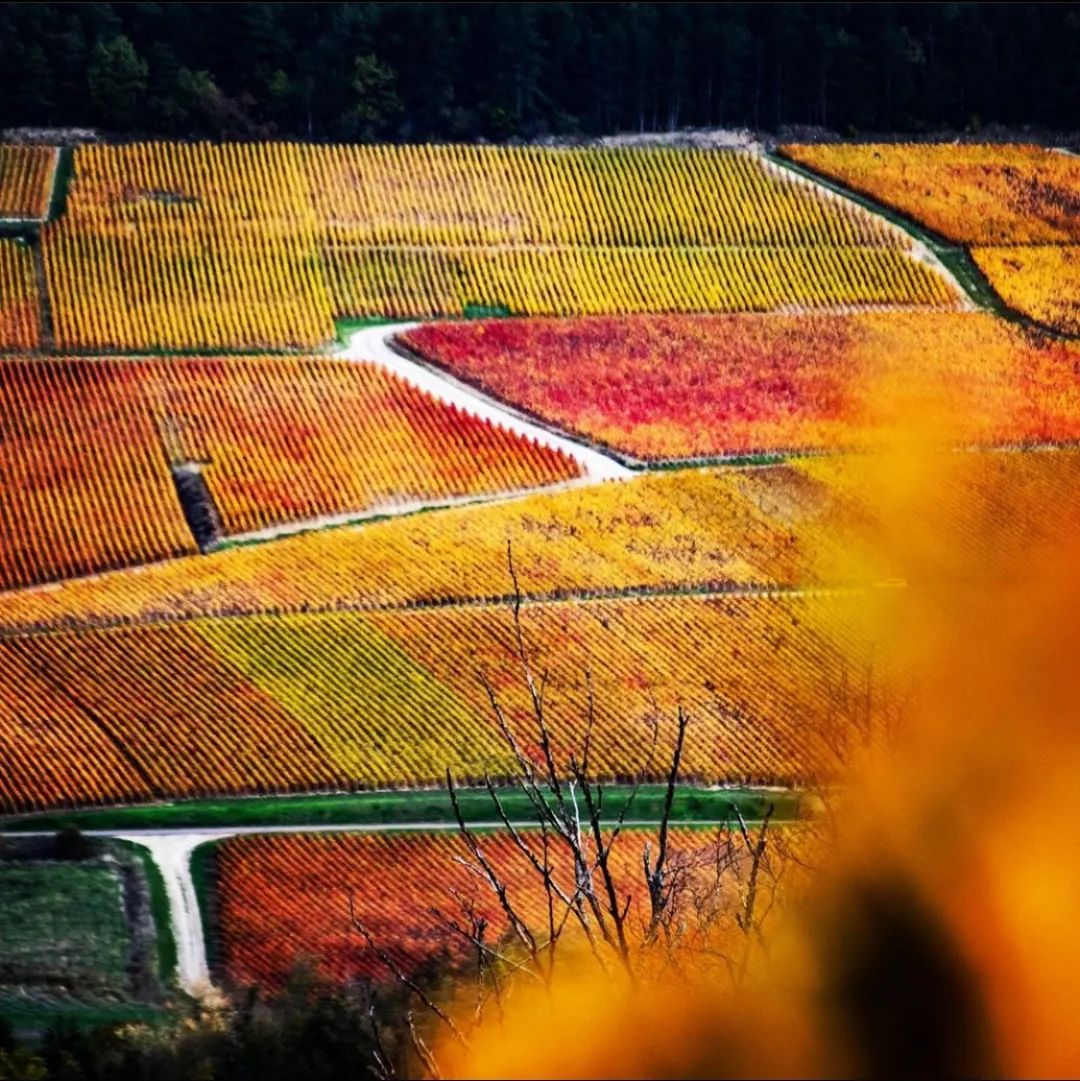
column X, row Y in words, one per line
column 755, row 671
column 20, row 322
column 669, row 387
column 1043, row 281
column 85, row 484
column 26, row 177
column 286, row 897
column 975, row 193
column 345, row 700
column 187, row 722
column 89, row 446
column 52, row 752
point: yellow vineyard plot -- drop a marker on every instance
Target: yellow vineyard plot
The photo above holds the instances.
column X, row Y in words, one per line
column 26, row 177
column 256, row 246
column 671, row 530
column 19, row 319
column 373, row 710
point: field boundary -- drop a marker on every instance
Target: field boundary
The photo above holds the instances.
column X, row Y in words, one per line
column 400, row 808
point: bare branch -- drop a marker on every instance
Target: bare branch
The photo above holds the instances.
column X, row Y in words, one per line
column 399, row 973
column 519, row 927
column 421, row 1048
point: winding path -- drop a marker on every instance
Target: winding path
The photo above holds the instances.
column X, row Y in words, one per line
column 373, row 344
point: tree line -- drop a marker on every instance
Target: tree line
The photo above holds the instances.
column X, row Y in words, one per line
column 455, row 71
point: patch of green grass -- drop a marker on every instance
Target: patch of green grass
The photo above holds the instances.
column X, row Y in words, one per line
column 37, row 1014
column 65, row 171
column 202, row 879
column 63, row 926
column 346, row 327
column 399, row 808
column 473, row 310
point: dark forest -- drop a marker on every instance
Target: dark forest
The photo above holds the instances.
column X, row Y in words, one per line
column 502, row 71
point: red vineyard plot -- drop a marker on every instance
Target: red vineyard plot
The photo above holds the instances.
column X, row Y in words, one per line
column 285, row 898
column 676, row 387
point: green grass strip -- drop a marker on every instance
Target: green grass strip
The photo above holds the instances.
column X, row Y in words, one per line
column 36, row 1016
column 65, row 173
column 203, row 878
column 346, row 327
column 401, row 808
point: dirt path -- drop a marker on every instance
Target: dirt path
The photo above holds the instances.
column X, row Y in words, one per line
column 372, row 344
column 171, row 851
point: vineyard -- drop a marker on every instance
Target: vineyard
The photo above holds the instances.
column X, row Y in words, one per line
column 19, row 317
column 1017, row 208
column 661, row 388
column 91, row 447
column 26, row 178
column 1043, row 281
column 384, row 696
column 675, row 530
column 261, row 246
column 973, row 193
column 283, row 897
column 340, row 700
column 809, row 523
column 63, row 928
column 648, row 416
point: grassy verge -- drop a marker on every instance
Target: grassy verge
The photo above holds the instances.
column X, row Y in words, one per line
column 36, row 1015
column 397, row 808
column 159, row 910
column 65, row 171
column 345, row 328
column 202, row 878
